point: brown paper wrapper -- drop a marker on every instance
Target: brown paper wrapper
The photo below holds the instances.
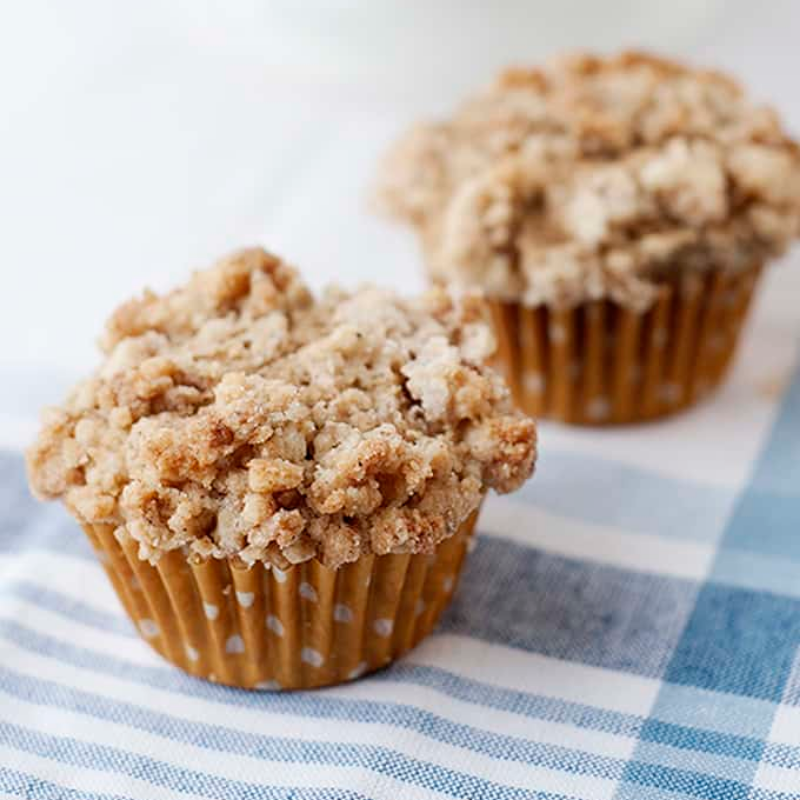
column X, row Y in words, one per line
column 601, row 363
column 265, row 628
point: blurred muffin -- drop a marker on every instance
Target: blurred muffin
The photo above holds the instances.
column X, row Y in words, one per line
column 281, row 489
column 617, row 213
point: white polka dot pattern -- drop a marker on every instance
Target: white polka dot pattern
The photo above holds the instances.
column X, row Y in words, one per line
column 312, row 657
column 342, row 613
column 534, row 382
column 608, row 363
column 297, row 616
column 275, row 625
column 148, row 628
column 598, row 409
column 357, row 671
column 279, row 574
column 308, row 592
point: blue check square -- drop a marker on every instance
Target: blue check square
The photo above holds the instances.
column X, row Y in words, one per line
column 738, row 641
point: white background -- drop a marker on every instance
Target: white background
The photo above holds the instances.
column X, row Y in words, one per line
column 140, row 140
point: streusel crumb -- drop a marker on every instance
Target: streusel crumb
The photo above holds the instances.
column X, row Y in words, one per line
column 237, row 416
column 597, row 178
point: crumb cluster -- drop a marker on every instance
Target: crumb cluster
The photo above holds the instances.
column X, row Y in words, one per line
column 597, row 178
column 238, row 416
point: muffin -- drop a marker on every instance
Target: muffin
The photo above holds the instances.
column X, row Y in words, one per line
column 282, row 489
column 617, row 212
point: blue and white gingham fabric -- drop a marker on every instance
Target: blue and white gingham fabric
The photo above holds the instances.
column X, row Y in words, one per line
column 628, row 627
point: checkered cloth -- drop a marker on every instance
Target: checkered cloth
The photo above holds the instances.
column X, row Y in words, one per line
column 627, row 627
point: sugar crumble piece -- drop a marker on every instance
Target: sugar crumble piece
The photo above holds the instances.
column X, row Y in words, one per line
column 596, row 178
column 237, row 416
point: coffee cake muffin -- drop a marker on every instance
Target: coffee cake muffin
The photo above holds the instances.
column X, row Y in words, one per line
column 282, row 489
column 617, row 213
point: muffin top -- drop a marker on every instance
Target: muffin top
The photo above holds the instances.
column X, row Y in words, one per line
column 237, row 416
column 597, row 178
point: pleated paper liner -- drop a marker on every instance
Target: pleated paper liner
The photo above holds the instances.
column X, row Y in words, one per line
column 601, row 363
column 260, row 627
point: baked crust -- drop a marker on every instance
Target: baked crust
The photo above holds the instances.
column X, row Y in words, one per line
column 238, row 417
column 596, row 178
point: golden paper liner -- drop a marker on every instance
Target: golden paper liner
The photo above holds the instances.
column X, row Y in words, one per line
column 601, row 363
column 265, row 628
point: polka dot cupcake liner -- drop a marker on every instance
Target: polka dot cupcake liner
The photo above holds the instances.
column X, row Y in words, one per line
column 266, row 628
column 601, row 363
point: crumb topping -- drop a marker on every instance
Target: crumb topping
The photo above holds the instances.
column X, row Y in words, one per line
column 596, row 178
column 237, row 416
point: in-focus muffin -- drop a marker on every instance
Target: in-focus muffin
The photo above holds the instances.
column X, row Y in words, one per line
column 281, row 488
column 617, row 212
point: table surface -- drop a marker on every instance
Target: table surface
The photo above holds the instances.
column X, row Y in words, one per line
column 629, row 625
